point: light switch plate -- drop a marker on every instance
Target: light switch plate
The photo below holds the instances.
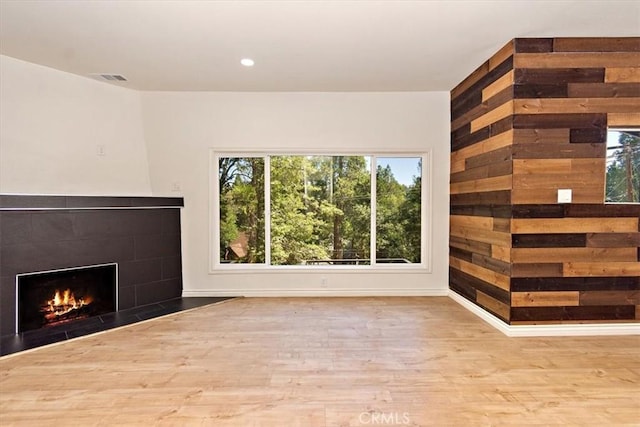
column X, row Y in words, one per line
column 564, row 195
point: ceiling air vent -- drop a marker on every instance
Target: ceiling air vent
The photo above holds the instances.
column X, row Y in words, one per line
column 109, row 77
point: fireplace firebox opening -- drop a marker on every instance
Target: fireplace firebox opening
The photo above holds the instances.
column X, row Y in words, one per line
column 55, row 297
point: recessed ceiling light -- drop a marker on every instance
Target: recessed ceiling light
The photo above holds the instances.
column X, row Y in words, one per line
column 247, row 62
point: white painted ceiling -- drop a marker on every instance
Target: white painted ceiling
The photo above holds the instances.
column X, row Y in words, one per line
column 297, row 45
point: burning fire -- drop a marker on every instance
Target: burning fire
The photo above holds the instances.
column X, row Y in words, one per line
column 62, row 303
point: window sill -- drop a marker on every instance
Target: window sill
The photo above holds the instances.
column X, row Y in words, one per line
column 293, row 269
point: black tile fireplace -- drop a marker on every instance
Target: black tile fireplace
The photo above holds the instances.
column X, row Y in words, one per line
column 51, row 298
column 54, row 234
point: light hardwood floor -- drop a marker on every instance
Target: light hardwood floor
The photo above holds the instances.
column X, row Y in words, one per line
column 323, row 362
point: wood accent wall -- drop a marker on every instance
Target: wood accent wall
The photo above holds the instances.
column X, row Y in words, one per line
column 529, row 121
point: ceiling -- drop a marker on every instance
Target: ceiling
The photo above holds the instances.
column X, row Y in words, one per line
column 297, row 45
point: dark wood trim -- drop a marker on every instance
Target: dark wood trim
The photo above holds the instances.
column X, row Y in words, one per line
column 589, row 312
column 533, row 284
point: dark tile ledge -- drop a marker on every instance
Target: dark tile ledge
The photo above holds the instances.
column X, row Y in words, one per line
column 29, row 202
column 10, row 344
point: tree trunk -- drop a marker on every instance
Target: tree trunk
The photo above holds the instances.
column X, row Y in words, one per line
column 338, row 251
column 629, row 172
column 256, row 233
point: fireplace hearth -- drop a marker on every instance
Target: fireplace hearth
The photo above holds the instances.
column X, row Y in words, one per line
column 51, row 298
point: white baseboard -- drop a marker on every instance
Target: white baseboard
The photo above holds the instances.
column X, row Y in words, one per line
column 316, row 293
column 573, row 329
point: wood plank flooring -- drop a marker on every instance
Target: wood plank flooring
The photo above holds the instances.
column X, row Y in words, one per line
column 323, row 362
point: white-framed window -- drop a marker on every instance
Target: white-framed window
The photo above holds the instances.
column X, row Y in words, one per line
column 623, row 166
column 319, row 210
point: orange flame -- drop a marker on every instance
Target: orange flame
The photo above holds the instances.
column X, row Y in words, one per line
column 64, row 302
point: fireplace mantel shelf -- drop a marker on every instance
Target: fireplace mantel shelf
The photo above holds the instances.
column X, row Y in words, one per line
column 32, row 202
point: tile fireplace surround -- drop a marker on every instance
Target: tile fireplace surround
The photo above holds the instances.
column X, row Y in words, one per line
column 140, row 234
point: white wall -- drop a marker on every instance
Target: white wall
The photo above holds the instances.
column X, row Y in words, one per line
column 181, row 128
column 51, row 123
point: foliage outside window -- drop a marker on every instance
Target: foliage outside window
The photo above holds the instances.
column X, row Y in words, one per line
column 320, row 210
column 241, row 189
column 398, row 208
column 623, row 166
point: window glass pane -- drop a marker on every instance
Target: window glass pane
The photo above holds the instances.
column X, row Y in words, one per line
column 320, row 210
column 242, row 225
column 623, row 165
column 398, row 209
